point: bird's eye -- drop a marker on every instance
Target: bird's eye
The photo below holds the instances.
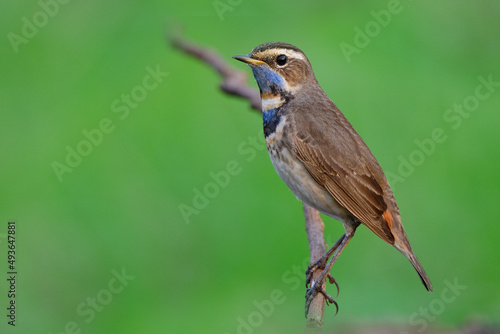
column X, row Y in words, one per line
column 281, row 60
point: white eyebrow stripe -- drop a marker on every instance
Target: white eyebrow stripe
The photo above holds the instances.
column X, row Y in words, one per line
column 292, row 53
column 287, row 52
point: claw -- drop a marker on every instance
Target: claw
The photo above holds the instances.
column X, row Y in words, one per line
column 309, row 297
column 313, row 291
column 329, row 300
column 332, row 280
column 309, row 274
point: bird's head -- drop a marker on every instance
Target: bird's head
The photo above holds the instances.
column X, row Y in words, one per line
column 280, row 69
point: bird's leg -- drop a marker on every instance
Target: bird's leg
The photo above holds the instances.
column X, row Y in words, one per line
column 321, row 263
column 317, row 286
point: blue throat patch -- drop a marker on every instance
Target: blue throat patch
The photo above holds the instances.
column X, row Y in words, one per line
column 267, row 79
column 268, row 116
column 271, row 120
column 269, row 82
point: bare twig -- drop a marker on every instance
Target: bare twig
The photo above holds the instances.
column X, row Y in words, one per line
column 314, row 229
column 235, row 83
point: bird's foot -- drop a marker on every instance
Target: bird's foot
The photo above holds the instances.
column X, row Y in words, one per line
column 325, row 265
column 317, row 287
column 320, row 264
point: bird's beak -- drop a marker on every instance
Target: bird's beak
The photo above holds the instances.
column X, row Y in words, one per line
column 250, row 61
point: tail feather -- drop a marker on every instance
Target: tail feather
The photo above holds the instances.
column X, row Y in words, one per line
column 403, row 245
column 421, row 272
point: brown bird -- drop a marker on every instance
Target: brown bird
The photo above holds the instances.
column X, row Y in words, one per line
column 322, row 159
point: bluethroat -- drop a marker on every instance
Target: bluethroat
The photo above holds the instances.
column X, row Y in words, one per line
column 321, row 158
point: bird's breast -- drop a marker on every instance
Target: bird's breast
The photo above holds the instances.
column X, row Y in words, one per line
column 293, row 172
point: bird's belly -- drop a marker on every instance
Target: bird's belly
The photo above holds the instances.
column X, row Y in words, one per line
column 293, row 173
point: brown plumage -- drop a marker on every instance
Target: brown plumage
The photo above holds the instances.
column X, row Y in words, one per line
column 338, row 159
column 320, row 156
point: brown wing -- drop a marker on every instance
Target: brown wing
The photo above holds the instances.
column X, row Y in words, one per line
column 337, row 159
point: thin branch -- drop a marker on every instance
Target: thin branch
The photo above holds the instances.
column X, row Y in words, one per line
column 314, row 229
column 234, row 82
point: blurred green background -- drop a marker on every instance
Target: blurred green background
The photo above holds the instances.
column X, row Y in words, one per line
column 236, row 264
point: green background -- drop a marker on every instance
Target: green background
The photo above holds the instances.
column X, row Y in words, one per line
column 119, row 207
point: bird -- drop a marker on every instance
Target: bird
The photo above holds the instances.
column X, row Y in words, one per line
column 321, row 158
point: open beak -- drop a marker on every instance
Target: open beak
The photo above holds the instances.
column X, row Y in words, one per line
column 248, row 60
